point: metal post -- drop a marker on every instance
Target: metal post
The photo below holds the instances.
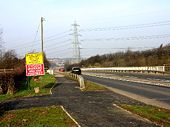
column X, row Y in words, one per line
column 28, row 82
column 42, row 36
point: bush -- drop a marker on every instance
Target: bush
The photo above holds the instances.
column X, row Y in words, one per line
column 8, row 80
column 153, row 57
column 7, row 83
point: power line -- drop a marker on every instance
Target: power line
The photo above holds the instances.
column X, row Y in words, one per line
column 26, row 48
column 57, row 41
column 50, row 40
column 54, row 37
column 46, row 38
column 36, row 33
column 35, row 36
column 27, row 45
column 155, row 24
column 99, row 48
column 129, row 38
column 58, row 52
column 59, row 34
column 47, row 50
column 106, row 39
column 63, row 43
column 59, row 46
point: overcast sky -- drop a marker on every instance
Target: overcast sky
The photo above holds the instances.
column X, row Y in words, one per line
column 124, row 24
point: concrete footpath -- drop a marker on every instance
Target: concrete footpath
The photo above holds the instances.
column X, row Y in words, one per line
column 89, row 109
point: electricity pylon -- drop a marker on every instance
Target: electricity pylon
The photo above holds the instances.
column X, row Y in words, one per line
column 76, row 44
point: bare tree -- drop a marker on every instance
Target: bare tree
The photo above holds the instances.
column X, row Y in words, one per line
column 153, row 57
column 1, row 42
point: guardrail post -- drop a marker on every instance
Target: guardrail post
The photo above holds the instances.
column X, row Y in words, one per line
column 79, row 78
column 81, row 81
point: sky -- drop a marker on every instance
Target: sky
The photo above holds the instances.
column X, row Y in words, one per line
column 105, row 26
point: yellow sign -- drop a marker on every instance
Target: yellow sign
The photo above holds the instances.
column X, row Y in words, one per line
column 34, row 58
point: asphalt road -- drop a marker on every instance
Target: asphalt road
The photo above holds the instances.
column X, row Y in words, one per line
column 142, row 75
column 161, row 94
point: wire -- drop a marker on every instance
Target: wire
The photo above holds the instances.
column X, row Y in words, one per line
column 58, row 42
column 129, row 38
column 155, row 24
column 58, row 53
column 64, row 43
column 59, row 45
column 27, row 45
column 36, row 32
column 117, row 48
column 35, row 36
column 25, row 49
column 55, row 48
column 46, row 39
column 64, row 50
column 55, row 35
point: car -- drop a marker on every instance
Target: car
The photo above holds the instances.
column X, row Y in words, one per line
column 76, row 70
column 61, row 69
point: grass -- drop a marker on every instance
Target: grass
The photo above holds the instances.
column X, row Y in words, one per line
column 52, row 116
column 157, row 115
column 43, row 82
column 91, row 86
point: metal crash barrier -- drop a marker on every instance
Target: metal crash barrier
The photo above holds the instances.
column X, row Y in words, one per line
column 78, row 78
column 155, row 69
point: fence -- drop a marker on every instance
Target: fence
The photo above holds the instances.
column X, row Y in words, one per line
column 78, row 78
column 6, row 70
column 155, row 69
column 167, row 68
column 50, row 71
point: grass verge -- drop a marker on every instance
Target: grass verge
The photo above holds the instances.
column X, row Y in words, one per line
column 43, row 82
column 157, row 115
column 52, row 116
column 91, row 86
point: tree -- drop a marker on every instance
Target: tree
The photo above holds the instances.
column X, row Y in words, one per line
column 1, row 50
column 9, row 60
column 8, row 80
column 46, row 62
column 153, row 57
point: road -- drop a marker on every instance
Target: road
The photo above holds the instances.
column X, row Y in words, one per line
column 148, row 76
column 88, row 108
column 150, row 93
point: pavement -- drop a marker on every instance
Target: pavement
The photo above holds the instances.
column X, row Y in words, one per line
column 89, row 109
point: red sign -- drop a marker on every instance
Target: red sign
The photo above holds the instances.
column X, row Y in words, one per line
column 34, row 69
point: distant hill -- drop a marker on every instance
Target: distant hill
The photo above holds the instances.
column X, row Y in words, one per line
column 154, row 57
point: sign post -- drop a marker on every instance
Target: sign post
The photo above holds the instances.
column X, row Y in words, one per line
column 34, row 64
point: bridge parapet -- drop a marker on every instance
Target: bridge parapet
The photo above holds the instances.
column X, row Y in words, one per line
column 155, row 69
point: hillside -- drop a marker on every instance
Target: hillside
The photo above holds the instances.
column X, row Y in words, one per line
column 153, row 57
